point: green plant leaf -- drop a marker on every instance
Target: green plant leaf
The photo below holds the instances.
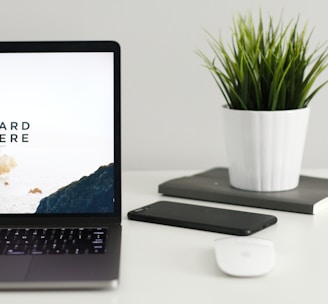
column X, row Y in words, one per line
column 266, row 68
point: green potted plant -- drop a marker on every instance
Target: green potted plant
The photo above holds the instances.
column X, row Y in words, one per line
column 266, row 75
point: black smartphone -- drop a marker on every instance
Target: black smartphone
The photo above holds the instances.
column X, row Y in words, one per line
column 203, row 218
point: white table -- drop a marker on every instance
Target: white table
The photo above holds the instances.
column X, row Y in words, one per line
column 162, row 264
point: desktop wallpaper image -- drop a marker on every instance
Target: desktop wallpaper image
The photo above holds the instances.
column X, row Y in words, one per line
column 56, row 133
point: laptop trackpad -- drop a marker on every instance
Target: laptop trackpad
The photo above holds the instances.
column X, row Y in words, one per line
column 14, row 268
column 67, row 267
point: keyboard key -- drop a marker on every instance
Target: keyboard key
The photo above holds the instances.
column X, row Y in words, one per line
column 16, row 250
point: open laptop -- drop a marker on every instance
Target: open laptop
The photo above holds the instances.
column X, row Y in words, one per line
column 60, row 166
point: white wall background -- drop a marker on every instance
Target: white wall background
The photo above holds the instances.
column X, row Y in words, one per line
column 170, row 104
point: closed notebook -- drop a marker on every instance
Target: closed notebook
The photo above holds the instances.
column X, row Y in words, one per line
column 309, row 197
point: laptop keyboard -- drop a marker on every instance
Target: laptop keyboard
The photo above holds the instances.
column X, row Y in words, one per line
column 53, row 241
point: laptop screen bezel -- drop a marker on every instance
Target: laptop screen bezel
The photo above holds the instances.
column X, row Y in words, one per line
column 73, row 219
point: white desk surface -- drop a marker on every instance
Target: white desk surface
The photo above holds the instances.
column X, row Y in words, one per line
column 162, row 264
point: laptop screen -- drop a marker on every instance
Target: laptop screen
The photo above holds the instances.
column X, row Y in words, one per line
column 57, row 127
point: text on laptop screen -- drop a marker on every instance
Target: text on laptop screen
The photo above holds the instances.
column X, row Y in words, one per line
column 56, row 133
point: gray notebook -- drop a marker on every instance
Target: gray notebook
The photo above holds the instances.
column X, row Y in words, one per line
column 310, row 197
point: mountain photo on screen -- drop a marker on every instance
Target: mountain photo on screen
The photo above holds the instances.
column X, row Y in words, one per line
column 56, row 132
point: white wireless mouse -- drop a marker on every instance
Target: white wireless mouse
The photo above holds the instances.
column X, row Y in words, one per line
column 245, row 256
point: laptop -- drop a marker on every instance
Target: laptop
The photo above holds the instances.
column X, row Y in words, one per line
column 60, row 165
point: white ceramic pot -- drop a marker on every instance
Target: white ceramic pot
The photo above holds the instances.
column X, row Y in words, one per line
column 265, row 148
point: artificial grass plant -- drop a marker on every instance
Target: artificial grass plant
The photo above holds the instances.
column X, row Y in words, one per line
column 266, row 67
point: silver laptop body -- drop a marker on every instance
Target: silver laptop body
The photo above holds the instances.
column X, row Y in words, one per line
column 60, row 165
